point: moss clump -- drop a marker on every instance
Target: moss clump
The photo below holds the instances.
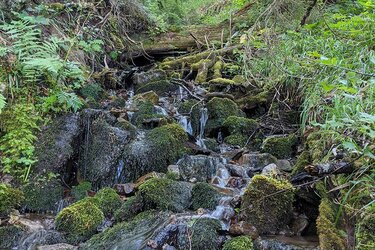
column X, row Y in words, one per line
column 145, row 111
column 129, row 209
column 212, row 144
column 149, row 96
column 267, row 203
column 108, row 201
column 93, row 92
column 365, row 229
column 254, row 101
column 237, row 139
column 329, row 236
column 280, row 146
column 165, row 194
column 168, row 144
column 204, row 196
column 218, row 66
column 80, row 191
column 239, row 79
column 222, row 81
column 80, row 220
column 240, row 129
column 42, row 196
column 9, row 236
column 10, row 198
column 239, row 243
column 219, row 109
column 302, row 161
column 205, row 234
column 159, row 87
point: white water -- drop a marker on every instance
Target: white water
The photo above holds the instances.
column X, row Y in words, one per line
column 186, row 124
column 224, row 212
column 202, row 125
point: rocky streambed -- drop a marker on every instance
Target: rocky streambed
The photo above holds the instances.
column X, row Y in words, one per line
column 171, row 158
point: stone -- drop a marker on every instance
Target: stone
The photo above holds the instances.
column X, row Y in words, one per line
column 284, row 165
column 285, row 243
column 204, row 196
column 26, row 224
column 147, row 177
column 125, row 189
column 236, row 170
column 243, row 228
column 239, row 243
column 149, row 96
column 174, row 169
column 281, row 146
column 271, row 170
column 200, row 167
column 143, row 78
column 256, row 161
column 60, row 246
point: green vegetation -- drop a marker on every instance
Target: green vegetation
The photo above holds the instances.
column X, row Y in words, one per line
column 204, row 196
column 80, row 191
column 10, row 198
column 80, row 220
column 239, row 243
column 204, row 233
column 280, row 146
column 107, row 200
column 267, row 203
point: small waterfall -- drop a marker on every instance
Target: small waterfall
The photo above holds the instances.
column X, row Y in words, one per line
column 129, row 102
column 224, row 212
column 119, row 169
column 202, row 125
column 185, row 123
column 160, row 110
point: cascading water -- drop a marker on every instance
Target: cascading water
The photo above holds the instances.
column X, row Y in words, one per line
column 185, row 123
column 202, row 125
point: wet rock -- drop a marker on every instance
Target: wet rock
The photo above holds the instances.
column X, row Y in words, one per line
column 42, row 237
column 204, row 196
column 60, row 246
column 200, row 167
column 256, row 161
column 281, row 146
column 244, row 228
column 142, row 78
column 149, row 96
column 124, row 189
column 159, row 87
column 284, row 165
column 271, row 170
column 237, row 182
column 205, row 234
column 174, row 169
column 26, row 224
column 286, row 243
column 129, row 209
column 10, row 236
column 236, row 170
column 267, row 204
column 147, row 177
column 299, row 224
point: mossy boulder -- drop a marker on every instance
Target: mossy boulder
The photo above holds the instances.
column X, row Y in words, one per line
column 142, row 78
column 204, row 234
column 145, row 111
column 239, row 243
column 165, row 194
column 9, row 236
column 80, row 191
column 219, row 109
column 108, row 201
column 42, row 196
column 80, row 220
column 239, row 129
column 159, row 148
column 280, row 146
column 10, row 198
column 365, row 227
column 302, row 161
column 267, row 204
column 329, row 235
column 149, row 96
column 93, row 92
column 129, row 209
column 204, row 196
column 255, row 104
column 159, row 87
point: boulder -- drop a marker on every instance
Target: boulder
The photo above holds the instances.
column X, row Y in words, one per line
column 281, row 146
column 59, row 246
column 204, row 196
column 256, row 161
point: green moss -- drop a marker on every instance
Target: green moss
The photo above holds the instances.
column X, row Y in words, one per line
column 240, row 125
column 10, row 236
column 267, row 203
column 218, row 110
column 127, row 126
column 80, row 191
column 236, row 139
column 172, row 176
column 204, row 234
column 169, row 144
column 212, row 144
column 42, row 196
column 196, row 66
column 280, row 146
column 165, row 194
column 302, row 161
column 329, row 236
column 204, row 196
column 149, row 96
column 79, row 220
column 365, row 229
column 239, row 79
column 218, row 66
column 108, row 201
column 222, row 81
column 239, row 243
column 94, row 92
column 252, row 101
column 10, row 198
column 129, row 209
column 145, row 111
column 159, row 87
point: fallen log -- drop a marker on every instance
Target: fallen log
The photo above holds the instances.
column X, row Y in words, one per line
column 330, row 168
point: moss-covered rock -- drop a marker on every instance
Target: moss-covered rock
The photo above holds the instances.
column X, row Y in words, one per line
column 365, row 227
column 107, row 200
column 9, row 236
column 10, row 198
column 93, row 92
column 149, row 96
column 302, row 161
column 239, row 243
column 42, row 196
column 280, row 146
column 204, row 234
column 236, row 139
column 80, row 191
column 329, row 235
column 80, row 220
column 159, row 87
column 129, row 209
column 204, row 196
column 192, row 108
column 267, row 203
column 219, row 109
column 145, row 111
column 143, row 78
column 255, row 104
column 239, row 129
column 165, row 194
